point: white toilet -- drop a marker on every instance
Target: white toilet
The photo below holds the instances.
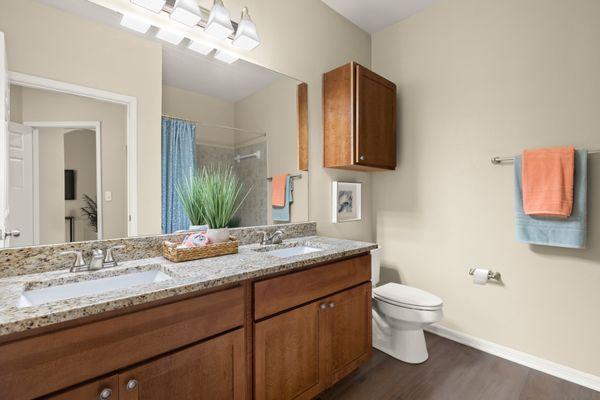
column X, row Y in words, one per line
column 400, row 313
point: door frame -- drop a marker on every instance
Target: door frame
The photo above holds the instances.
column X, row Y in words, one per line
column 95, row 126
column 130, row 102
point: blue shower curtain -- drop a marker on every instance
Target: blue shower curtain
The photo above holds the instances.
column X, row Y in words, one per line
column 178, row 163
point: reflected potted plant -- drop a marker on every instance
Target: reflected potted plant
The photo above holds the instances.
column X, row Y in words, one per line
column 191, row 201
column 222, row 195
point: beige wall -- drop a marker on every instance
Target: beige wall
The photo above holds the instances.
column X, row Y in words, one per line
column 79, row 154
column 52, row 185
column 479, row 78
column 274, row 110
column 42, row 105
column 194, row 106
column 50, row 43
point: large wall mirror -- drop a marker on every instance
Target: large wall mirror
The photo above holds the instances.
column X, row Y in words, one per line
column 72, row 168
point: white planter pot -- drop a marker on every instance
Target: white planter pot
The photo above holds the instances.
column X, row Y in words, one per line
column 198, row 227
column 218, row 235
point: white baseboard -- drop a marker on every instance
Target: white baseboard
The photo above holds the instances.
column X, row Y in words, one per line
column 537, row 363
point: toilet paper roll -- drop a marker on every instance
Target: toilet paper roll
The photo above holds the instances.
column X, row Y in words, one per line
column 480, row 276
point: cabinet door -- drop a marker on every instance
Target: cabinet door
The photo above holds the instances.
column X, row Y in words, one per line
column 211, row 370
column 101, row 389
column 345, row 328
column 375, row 120
column 286, row 355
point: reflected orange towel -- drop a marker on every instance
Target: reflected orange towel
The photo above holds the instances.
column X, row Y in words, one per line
column 548, row 181
column 278, row 196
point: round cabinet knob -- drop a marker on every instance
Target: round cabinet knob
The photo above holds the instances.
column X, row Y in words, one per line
column 132, row 384
column 361, row 158
column 323, row 306
column 331, row 305
column 105, row 394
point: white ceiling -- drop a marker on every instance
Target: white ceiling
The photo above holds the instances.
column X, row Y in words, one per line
column 183, row 68
column 374, row 15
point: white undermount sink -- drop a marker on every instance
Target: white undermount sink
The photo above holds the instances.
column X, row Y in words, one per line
column 292, row 251
column 35, row 297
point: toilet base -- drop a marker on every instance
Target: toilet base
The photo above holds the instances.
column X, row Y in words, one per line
column 405, row 345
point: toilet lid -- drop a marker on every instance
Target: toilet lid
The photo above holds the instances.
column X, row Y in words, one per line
column 407, row 296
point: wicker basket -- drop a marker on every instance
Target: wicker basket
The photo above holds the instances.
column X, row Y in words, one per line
column 172, row 253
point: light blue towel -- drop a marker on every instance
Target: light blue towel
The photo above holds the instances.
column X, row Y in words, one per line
column 282, row 214
column 570, row 232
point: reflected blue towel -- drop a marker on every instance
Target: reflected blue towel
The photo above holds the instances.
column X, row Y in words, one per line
column 282, row 214
column 570, row 232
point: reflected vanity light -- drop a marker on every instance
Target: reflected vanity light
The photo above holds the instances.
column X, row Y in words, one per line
column 135, row 24
column 226, row 56
column 246, row 36
column 186, row 12
column 219, row 23
column 169, row 36
column 152, row 5
column 200, row 47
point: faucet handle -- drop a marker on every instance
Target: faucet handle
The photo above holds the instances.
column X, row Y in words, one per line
column 79, row 263
column 265, row 236
column 109, row 259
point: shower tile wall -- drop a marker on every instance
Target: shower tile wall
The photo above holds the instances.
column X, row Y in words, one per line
column 251, row 172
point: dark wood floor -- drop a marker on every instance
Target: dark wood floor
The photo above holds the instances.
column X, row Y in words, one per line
column 453, row 371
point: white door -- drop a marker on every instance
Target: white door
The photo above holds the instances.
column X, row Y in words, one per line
column 4, row 118
column 21, row 196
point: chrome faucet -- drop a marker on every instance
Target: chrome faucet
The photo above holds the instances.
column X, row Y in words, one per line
column 98, row 261
column 275, row 238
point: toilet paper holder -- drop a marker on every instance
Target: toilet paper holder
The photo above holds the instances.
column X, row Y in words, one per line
column 491, row 274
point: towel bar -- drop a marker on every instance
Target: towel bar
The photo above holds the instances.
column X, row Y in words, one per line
column 293, row 176
column 500, row 160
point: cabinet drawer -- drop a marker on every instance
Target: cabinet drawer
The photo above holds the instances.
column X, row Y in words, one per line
column 283, row 292
column 42, row 364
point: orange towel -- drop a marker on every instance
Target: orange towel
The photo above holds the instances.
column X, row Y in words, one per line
column 278, row 196
column 548, row 181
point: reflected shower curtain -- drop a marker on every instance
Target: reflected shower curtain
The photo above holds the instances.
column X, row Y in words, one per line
column 178, row 163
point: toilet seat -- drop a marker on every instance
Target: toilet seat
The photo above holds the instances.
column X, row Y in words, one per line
column 407, row 297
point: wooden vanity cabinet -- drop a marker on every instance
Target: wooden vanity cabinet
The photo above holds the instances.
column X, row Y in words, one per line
column 302, row 351
column 359, row 119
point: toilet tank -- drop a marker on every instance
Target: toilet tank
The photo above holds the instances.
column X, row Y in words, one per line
column 375, row 265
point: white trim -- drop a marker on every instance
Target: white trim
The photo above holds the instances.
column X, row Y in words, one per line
column 549, row 367
column 36, row 188
column 130, row 102
column 96, row 126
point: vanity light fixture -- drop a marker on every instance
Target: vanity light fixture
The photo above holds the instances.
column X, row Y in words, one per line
column 219, row 23
column 152, row 5
column 186, row 12
column 200, row 47
column 246, row 36
column 226, row 56
column 170, row 36
column 135, row 24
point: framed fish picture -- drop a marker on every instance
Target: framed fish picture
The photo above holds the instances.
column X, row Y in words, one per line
column 346, row 202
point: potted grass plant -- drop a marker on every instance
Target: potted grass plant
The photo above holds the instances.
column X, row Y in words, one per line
column 191, row 200
column 221, row 194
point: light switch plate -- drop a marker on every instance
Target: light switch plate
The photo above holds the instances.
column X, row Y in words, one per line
column 108, row 195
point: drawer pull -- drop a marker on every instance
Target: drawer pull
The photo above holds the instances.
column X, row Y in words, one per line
column 331, row 305
column 323, row 306
column 132, row 384
column 105, row 394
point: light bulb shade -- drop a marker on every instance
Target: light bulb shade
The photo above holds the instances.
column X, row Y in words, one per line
column 186, row 12
column 200, row 47
column 152, row 5
column 246, row 36
column 169, row 36
column 219, row 23
column 135, row 24
column 226, row 56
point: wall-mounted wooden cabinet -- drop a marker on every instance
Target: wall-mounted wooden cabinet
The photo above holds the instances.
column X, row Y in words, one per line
column 359, row 119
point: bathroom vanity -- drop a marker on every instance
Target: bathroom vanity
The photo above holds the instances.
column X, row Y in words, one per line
column 285, row 325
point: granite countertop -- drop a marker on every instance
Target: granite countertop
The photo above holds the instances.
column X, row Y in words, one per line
column 185, row 277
